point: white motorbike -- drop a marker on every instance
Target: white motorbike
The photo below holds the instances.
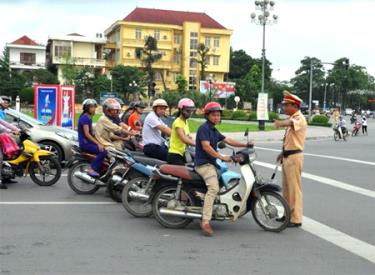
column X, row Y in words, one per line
column 179, row 196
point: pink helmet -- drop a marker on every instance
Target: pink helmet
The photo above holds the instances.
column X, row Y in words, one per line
column 186, row 103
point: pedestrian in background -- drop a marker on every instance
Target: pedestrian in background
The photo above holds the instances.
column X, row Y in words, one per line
column 291, row 156
column 364, row 125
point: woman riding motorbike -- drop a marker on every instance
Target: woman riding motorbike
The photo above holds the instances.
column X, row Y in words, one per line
column 86, row 138
column 180, row 135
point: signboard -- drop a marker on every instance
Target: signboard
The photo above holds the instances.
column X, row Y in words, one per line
column 262, row 106
column 54, row 105
column 218, row 89
column 45, row 103
column 104, row 95
column 67, row 101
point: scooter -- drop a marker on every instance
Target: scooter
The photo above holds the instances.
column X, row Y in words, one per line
column 356, row 128
column 337, row 134
column 34, row 159
column 178, row 200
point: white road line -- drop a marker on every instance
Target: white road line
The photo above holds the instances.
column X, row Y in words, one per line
column 57, row 203
column 328, row 181
column 323, row 156
column 340, row 239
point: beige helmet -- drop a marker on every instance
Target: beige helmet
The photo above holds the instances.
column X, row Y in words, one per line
column 159, row 103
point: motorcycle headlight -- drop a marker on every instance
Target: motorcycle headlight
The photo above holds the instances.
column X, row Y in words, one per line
column 252, row 157
column 68, row 136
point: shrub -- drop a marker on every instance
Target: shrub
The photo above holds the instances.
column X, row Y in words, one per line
column 253, row 116
column 272, row 116
column 27, row 95
column 239, row 115
column 319, row 119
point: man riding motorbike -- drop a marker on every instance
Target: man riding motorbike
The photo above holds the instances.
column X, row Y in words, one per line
column 106, row 130
column 341, row 126
column 205, row 158
column 153, row 129
column 180, row 136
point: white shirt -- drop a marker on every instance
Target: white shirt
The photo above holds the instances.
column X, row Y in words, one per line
column 151, row 134
column 364, row 122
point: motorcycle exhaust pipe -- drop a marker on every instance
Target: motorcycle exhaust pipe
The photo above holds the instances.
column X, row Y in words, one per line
column 118, row 180
column 139, row 196
column 87, row 178
column 179, row 213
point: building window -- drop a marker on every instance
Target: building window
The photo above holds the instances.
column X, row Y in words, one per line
column 177, row 38
column 207, row 60
column 193, row 40
column 27, row 58
column 138, row 53
column 216, row 42
column 194, row 34
column 207, row 42
column 177, row 58
column 216, row 60
column 193, row 62
column 157, row 76
column 157, row 34
column 138, row 34
column 62, row 51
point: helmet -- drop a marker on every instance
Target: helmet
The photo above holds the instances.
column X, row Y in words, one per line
column 87, row 102
column 139, row 104
column 159, row 102
column 131, row 105
column 6, row 98
column 185, row 103
column 212, row 107
column 111, row 104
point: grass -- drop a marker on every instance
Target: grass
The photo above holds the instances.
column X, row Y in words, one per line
column 224, row 127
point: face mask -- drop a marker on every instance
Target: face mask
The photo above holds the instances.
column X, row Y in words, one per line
column 186, row 114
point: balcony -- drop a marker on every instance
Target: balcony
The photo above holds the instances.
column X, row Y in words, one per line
column 81, row 61
column 19, row 65
column 138, row 63
column 140, row 43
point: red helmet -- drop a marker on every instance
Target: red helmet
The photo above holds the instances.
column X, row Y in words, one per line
column 212, row 107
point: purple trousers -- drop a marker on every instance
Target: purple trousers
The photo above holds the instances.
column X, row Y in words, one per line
column 100, row 156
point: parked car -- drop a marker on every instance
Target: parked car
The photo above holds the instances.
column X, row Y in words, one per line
column 348, row 111
column 55, row 137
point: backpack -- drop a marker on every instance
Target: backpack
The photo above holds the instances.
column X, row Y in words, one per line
column 9, row 147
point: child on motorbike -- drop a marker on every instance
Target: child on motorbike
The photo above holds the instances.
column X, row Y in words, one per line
column 180, row 135
column 86, row 138
column 205, row 158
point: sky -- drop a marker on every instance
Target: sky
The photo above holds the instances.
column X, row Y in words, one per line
column 326, row 29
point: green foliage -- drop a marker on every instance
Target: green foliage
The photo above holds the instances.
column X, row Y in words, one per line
column 41, row 76
column 202, row 53
column 253, row 116
column 27, row 95
column 239, row 115
column 122, row 76
column 69, row 70
column 84, row 81
column 272, row 116
column 181, row 83
column 101, row 84
column 150, row 54
column 320, row 119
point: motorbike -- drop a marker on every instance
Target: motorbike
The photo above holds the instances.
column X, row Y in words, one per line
column 179, row 199
column 34, row 159
column 356, row 128
column 115, row 173
column 337, row 134
column 138, row 191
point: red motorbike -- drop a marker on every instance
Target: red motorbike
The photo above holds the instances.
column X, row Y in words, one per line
column 356, row 128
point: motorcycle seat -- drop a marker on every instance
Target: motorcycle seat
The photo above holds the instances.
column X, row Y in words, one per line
column 148, row 161
column 180, row 171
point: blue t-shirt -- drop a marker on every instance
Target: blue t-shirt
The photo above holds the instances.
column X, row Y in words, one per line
column 207, row 132
column 2, row 114
column 84, row 120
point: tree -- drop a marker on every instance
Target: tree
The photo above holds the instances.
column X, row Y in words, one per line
column 69, row 70
column 240, row 63
column 41, row 76
column 181, row 83
column 202, row 53
column 122, row 76
column 101, row 84
column 84, row 81
column 151, row 55
column 249, row 86
column 301, row 82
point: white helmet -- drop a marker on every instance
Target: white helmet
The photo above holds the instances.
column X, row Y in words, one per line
column 111, row 104
column 159, row 103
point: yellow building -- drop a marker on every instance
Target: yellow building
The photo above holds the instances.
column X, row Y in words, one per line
column 75, row 48
column 178, row 34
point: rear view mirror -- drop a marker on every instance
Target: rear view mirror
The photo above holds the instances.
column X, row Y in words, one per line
column 246, row 132
column 221, row 145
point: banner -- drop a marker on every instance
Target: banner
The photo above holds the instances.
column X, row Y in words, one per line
column 54, row 105
column 217, row 89
column 45, row 103
column 67, row 106
column 262, row 106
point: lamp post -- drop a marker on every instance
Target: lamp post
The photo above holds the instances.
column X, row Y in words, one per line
column 264, row 18
column 135, row 85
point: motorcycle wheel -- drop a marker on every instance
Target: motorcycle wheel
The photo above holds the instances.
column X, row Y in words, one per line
column 77, row 185
column 115, row 190
column 336, row 136
column 46, row 177
column 162, row 198
column 134, row 206
column 277, row 206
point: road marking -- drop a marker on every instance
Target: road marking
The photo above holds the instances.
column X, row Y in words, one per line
column 340, row 239
column 324, row 156
column 57, row 203
column 327, row 181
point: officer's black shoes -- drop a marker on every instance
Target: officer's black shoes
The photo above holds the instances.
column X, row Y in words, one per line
column 3, row 186
column 295, row 225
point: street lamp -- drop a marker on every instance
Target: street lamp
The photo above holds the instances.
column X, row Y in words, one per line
column 135, row 85
column 264, row 18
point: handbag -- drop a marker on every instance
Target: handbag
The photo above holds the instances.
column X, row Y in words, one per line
column 9, row 147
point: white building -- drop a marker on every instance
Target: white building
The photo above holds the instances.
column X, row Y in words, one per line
column 25, row 54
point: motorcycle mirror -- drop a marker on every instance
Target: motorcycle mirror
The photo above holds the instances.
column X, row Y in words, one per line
column 246, row 132
column 221, row 145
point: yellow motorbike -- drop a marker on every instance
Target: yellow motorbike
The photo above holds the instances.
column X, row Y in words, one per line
column 34, row 159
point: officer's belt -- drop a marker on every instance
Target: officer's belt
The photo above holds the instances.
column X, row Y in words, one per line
column 287, row 153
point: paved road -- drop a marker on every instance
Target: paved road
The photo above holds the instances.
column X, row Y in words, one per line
column 338, row 234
